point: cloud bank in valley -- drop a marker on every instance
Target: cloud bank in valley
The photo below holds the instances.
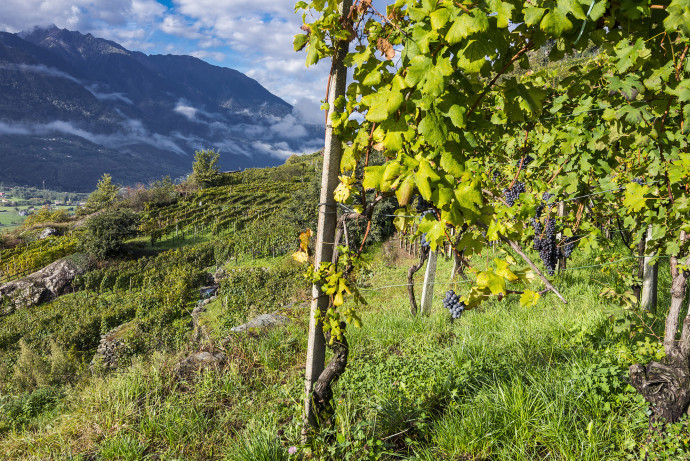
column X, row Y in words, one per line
column 252, row 36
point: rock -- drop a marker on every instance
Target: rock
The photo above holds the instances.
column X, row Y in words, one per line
column 111, row 349
column 262, row 321
column 219, row 275
column 41, row 286
column 47, row 232
column 208, row 292
column 188, row 367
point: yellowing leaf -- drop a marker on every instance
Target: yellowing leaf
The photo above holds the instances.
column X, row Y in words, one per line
column 529, row 298
column 300, row 256
column 491, row 281
column 634, row 196
column 503, row 271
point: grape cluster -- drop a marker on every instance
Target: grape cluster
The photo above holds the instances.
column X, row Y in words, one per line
column 529, row 159
column 496, row 176
column 453, row 304
column 537, row 212
column 422, row 205
column 512, row 194
column 568, row 246
column 548, row 250
column 425, row 242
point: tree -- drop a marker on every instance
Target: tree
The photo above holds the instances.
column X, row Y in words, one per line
column 104, row 196
column 460, row 109
column 105, row 232
column 205, row 167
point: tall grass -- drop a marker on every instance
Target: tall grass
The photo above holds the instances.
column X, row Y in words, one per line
column 502, row 383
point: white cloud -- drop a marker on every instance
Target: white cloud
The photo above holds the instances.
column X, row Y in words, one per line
column 82, row 15
column 289, row 127
column 252, row 36
column 215, row 55
column 176, row 25
column 309, row 112
column 133, row 133
column 187, row 111
column 94, row 90
column 40, row 69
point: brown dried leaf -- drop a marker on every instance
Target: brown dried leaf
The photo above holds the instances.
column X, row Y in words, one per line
column 385, row 47
column 347, row 25
column 306, row 28
column 363, row 6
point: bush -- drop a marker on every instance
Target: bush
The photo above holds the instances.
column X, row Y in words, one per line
column 106, row 232
column 248, row 292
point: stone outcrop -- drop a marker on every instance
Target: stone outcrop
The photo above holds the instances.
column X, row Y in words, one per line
column 262, row 321
column 111, row 348
column 187, row 368
column 41, row 286
column 47, row 232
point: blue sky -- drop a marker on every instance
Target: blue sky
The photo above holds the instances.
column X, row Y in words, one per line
column 252, row 36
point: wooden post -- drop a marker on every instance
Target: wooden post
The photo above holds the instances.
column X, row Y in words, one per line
column 429, row 278
column 561, row 259
column 649, row 279
column 325, row 235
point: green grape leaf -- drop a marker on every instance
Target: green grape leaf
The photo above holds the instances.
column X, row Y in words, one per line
column 433, row 129
column 634, row 196
column 466, row 25
column 417, row 70
column 555, row 23
column 439, row 18
column 678, row 17
column 503, row 11
column 452, row 162
column 373, row 176
column 300, row 41
column 533, row 15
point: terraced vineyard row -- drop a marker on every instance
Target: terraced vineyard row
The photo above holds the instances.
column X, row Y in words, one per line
column 219, row 209
column 25, row 259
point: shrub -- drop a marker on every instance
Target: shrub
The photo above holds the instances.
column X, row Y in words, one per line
column 104, row 233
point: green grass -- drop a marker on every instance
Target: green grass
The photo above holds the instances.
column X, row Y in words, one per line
column 503, row 383
column 10, row 219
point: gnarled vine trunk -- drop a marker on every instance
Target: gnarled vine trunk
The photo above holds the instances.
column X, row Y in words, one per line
column 322, row 394
column 666, row 385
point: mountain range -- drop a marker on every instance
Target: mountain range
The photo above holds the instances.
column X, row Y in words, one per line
column 73, row 107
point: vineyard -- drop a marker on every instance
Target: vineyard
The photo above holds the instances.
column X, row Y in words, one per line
column 531, row 157
column 32, row 256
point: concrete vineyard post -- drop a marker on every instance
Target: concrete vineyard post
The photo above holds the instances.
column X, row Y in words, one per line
column 325, row 235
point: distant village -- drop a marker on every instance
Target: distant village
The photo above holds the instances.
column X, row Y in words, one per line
column 16, row 203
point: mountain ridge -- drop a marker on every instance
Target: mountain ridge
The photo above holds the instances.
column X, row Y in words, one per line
column 75, row 99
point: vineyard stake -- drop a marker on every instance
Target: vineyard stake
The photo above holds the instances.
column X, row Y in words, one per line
column 325, row 235
column 429, row 278
column 649, row 279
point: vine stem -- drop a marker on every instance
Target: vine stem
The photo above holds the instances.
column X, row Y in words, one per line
column 516, row 247
column 522, row 160
column 517, row 55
